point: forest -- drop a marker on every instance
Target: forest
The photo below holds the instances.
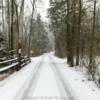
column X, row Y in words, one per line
column 20, row 30
column 74, row 25
column 76, row 28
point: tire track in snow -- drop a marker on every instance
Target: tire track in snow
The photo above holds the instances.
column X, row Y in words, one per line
column 68, row 90
column 34, row 79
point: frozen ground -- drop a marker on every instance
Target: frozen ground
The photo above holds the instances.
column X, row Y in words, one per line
column 46, row 86
column 48, row 78
column 78, row 81
column 13, row 87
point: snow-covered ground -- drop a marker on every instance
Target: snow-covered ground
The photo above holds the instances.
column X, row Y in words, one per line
column 13, row 87
column 48, row 78
column 78, row 81
column 46, row 86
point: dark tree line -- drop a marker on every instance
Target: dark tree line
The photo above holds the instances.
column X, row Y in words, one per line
column 39, row 37
column 76, row 30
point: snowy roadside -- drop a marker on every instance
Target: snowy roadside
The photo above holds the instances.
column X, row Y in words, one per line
column 15, row 85
column 77, row 81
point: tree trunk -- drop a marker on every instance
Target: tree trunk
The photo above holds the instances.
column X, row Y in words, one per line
column 92, row 42
column 78, row 35
column 69, row 37
column 33, row 8
column 12, row 23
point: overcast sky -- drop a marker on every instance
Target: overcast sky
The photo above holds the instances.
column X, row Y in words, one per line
column 41, row 7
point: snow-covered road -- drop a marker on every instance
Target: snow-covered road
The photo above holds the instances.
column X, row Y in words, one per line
column 47, row 85
column 48, row 78
column 39, row 80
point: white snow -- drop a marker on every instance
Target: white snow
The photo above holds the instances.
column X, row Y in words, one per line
column 46, row 84
column 78, row 81
column 15, row 85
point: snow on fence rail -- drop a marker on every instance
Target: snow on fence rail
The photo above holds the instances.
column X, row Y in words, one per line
column 8, row 67
column 14, row 64
column 7, row 61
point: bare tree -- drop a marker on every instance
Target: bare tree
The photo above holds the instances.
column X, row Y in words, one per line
column 33, row 8
column 8, row 23
column 3, row 25
column 12, row 24
column 78, row 35
column 91, row 63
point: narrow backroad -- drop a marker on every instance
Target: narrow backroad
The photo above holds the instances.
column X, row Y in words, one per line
column 47, row 84
column 48, row 78
column 42, row 79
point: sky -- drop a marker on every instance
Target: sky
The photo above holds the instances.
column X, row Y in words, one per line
column 41, row 7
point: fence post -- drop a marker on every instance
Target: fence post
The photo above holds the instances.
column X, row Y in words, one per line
column 19, row 55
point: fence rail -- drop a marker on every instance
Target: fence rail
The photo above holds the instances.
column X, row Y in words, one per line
column 8, row 61
column 13, row 64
